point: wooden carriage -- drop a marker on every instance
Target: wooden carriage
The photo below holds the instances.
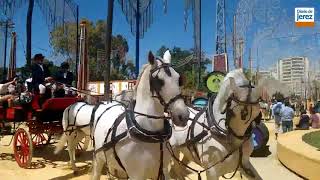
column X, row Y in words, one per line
column 33, row 126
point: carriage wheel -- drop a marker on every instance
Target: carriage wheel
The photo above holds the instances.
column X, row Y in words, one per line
column 39, row 139
column 83, row 145
column 22, row 146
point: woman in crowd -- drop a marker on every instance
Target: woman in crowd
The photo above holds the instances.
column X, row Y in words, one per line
column 304, row 121
column 315, row 119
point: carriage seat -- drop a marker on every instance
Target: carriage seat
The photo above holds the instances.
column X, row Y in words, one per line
column 52, row 109
column 58, row 103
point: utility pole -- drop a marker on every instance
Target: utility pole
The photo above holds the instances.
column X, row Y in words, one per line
column 7, row 24
column 29, row 32
column 137, row 37
column 77, row 44
column 240, row 60
column 199, row 50
column 250, row 64
column 234, row 40
column 108, row 50
column 5, row 50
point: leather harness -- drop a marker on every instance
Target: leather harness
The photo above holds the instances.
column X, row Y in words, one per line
column 215, row 129
column 134, row 129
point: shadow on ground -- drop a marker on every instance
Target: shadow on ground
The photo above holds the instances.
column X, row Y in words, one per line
column 49, row 158
column 262, row 152
column 82, row 171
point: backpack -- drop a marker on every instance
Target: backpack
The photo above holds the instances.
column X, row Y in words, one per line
column 277, row 109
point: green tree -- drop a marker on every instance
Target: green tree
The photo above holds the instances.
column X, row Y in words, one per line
column 121, row 67
column 188, row 71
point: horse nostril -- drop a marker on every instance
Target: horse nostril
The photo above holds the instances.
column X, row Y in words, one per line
column 180, row 117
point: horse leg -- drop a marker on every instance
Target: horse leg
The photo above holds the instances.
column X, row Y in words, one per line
column 247, row 168
column 98, row 162
column 212, row 174
column 73, row 140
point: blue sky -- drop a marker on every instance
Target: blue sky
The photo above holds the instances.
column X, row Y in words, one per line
column 168, row 29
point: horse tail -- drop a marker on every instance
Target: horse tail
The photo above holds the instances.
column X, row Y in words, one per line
column 60, row 145
column 65, row 117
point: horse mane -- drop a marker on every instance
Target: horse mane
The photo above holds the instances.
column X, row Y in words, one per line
column 144, row 67
column 238, row 75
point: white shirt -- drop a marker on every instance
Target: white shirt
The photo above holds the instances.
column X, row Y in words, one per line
column 41, row 66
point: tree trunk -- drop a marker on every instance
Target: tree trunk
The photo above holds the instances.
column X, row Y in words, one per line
column 29, row 31
column 108, row 50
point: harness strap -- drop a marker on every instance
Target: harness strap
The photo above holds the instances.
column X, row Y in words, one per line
column 191, row 146
column 115, row 154
column 239, row 164
column 160, row 173
column 95, row 108
column 75, row 118
column 169, row 147
column 103, row 114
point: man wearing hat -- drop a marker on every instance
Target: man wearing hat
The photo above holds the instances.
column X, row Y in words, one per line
column 64, row 76
column 40, row 74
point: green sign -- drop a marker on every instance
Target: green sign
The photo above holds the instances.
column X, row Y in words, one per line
column 214, row 81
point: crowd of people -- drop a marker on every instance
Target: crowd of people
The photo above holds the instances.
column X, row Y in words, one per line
column 283, row 114
column 39, row 81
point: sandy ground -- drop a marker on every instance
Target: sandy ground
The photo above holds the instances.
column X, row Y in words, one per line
column 46, row 165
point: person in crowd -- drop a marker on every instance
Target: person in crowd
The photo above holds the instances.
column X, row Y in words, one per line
column 276, row 109
column 4, row 90
column 311, row 108
column 287, row 115
column 315, row 119
column 304, row 121
column 40, row 74
column 64, row 76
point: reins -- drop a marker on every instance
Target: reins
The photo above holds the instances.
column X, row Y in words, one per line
column 219, row 129
column 170, row 149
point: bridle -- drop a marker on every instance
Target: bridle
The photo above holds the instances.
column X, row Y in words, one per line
column 228, row 111
column 225, row 132
column 156, row 85
column 244, row 112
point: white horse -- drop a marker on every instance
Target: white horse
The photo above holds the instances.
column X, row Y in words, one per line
column 220, row 148
column 157, row 91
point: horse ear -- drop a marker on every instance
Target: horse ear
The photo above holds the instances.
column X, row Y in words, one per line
column 167, row 57
column 151, row 58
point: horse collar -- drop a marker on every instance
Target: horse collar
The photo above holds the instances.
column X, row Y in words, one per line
column 144, row 135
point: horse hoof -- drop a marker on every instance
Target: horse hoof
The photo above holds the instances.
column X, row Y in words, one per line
column 75, row 172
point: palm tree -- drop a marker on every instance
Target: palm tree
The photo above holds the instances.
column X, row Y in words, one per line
column 28, row 28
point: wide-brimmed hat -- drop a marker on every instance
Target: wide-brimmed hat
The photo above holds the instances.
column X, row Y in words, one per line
column 65, row 65
column 38, row 56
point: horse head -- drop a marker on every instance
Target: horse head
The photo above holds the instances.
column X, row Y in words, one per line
column 238, row 99
column 160, row 83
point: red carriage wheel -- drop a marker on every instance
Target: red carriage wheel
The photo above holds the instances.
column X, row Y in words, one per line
column 22, row 146
column 83, row 145
column 39, row 139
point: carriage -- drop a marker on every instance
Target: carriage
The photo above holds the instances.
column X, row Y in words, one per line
column 32, row 126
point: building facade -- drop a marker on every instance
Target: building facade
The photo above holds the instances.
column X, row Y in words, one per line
column 294, row 72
